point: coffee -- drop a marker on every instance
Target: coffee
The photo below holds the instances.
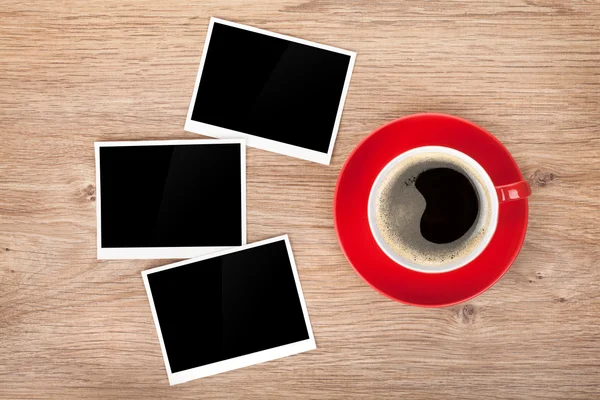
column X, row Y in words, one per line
column 451, row 202
column 432, row 209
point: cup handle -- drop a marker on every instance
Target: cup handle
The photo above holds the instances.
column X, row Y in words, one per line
column 513, row 191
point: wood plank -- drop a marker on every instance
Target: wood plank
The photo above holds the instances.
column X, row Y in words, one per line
column 74, row 72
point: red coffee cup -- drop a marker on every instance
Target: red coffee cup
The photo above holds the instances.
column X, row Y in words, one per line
column 393, row 276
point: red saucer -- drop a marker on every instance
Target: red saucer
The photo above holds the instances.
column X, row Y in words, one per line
column 352, row 225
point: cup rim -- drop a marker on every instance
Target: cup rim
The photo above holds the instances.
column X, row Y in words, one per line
column 449, row 266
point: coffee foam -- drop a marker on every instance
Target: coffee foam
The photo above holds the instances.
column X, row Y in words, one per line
column 400, row 205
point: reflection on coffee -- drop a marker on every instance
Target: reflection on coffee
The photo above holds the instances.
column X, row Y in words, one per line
column 432, row 209
column 451, row 204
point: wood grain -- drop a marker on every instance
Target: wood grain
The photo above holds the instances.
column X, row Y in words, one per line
column 73, row 72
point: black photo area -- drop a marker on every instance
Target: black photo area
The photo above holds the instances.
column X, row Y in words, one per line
column 228, row 306
column 171, row 195
column 270, row 87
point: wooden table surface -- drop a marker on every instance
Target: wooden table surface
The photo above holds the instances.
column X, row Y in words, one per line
column 77, row 71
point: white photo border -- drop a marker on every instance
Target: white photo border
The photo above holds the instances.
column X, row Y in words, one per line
column 146, row 253
column 257, row 141
column 241, row 361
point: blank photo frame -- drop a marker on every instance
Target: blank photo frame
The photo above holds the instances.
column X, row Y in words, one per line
column 280, row 93
column 229, row 310
column 169, row 198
